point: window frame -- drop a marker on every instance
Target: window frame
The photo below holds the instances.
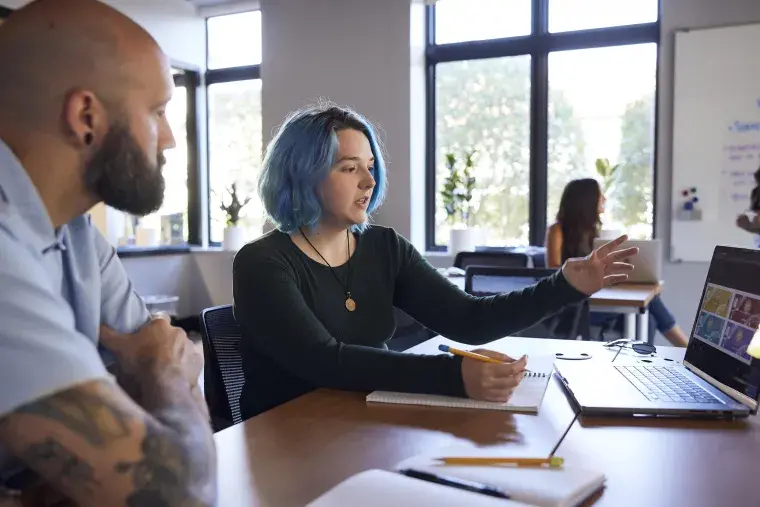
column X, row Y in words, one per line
column 539, row 44
column 190, row 79
column 215, row 76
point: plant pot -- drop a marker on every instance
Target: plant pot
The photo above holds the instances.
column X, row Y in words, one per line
column 234, row 238
column 464, row 240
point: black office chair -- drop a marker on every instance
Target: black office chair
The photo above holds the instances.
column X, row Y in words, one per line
column 567, row 324
column 491, row 258
column 223, row 370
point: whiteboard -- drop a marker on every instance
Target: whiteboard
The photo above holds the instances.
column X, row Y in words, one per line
column 716, row 137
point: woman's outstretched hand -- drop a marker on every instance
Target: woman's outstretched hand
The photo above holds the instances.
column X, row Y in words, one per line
column 603, row 267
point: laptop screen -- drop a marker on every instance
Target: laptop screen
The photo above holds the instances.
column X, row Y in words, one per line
column 728, row 316
column 486, row 285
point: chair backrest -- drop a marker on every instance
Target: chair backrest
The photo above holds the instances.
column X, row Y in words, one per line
column 489, row 280
column 490, row 258
column 223, row 370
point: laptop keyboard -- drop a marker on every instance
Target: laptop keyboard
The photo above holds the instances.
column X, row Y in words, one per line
column 665, row 383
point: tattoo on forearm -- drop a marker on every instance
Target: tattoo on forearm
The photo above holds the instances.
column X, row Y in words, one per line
column 71, row 472
column 84, row 414
column 162, row 476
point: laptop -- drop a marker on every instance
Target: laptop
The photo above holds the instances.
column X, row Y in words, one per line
column 647, row 264
column 717, row 377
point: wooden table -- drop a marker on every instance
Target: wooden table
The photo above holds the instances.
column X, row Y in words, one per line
column 290, row 455
column 668, row 462
column 629, row 299
column 294, row 453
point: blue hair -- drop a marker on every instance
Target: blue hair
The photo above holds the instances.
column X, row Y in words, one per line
column 298, row 160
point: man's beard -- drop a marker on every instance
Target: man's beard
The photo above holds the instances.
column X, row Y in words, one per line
column 122, row 176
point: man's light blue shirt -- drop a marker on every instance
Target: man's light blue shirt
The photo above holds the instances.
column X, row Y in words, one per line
column 56, row 289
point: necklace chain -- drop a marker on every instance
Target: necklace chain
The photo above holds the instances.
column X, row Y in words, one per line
column 350, row 303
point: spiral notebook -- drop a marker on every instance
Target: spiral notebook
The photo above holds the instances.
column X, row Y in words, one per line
column 526, row 398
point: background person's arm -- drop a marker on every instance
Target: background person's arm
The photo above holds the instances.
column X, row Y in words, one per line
column 553, row 244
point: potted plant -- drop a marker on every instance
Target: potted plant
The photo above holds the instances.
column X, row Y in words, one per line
column 608, row 174
column 234, row 235
column 457, row 194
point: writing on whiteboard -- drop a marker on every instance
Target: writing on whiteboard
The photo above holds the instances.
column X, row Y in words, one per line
column 744, row 126
column 738, row 172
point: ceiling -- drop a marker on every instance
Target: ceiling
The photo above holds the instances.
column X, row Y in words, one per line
column 206, row 3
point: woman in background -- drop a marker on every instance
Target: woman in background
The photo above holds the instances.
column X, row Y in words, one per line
column 572, row 235
column 750, row 220
column 315, row 297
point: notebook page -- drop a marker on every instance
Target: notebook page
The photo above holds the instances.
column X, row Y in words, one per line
column 564, row 487
column 526, row 398
column 379, row 488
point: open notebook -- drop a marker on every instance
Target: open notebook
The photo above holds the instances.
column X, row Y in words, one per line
column 526, row 398
column 537, row 487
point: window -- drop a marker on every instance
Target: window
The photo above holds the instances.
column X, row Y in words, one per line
column 565, row 15
column 234, row 120
column 234, row 40
column 484, row 105
column 171, row 218
column 484, row 19
column 538, row 90
column 592, row 118
column 235, row 151
column 175, row 223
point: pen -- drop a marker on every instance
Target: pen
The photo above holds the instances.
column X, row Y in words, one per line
column 476, row 487
column 553, row 462
column 471, row 355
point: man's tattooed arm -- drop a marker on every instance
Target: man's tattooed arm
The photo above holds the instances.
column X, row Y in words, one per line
column 98, row 447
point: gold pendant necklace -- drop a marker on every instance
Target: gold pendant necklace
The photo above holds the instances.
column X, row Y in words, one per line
column 350, row 303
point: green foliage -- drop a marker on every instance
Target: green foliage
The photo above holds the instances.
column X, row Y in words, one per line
column 458, row 188
column 633, row 189
column 233, row 206
column 607, row 172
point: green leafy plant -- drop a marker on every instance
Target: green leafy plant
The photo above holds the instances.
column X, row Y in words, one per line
column 233, row 206
column 458, row 187
column 607, row 172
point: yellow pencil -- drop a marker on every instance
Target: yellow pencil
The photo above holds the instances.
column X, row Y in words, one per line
column 553, row 462
column 471, row 355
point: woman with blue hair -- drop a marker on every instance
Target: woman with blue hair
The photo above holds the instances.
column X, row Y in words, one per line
column 315, row 297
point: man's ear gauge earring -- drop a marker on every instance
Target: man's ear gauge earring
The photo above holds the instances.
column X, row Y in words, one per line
column 88, row 138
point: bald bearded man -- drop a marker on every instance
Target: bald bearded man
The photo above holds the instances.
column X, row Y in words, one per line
column 83, row 91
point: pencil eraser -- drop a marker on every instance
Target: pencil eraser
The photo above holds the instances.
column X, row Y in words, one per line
column 443, row 348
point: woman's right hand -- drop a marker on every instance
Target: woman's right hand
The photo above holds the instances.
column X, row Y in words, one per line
column 491, row 381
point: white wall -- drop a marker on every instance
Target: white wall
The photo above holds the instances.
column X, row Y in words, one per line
column 684, row 281
column 175, row 24
column 355, row 53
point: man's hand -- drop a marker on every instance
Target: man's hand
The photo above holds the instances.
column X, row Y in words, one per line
column 158, row 346
column 489, row 381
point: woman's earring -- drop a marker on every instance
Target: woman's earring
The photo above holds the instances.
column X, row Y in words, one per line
column 88, row 138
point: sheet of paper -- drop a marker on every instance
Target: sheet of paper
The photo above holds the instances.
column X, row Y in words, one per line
column 379, row 488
